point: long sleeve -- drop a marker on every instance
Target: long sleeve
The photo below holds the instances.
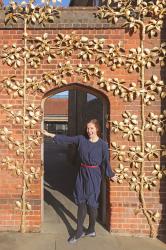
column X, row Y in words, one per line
column 106, row 162
column 64, row 139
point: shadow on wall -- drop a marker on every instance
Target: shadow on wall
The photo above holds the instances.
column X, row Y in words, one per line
column 162, row 191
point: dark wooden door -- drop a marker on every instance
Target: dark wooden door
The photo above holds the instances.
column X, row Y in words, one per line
column 84, row 106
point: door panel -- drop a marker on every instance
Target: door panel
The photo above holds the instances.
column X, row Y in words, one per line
column 84, row 106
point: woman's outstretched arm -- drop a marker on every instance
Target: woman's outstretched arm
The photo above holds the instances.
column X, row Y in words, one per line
column 60, row 139
column 44, row 132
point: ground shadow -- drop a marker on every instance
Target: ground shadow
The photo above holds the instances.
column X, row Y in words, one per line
column 60, row 170
column 61, row 210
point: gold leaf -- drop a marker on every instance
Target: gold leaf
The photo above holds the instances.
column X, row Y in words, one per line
column 108, row 88
column 18, row 171
column 84, row 39
column 18, row 120
column 45, row 36
column 18, row 152
column 121, row 166
column 148, row 145
column 38, row 133
column 131, row 137
column 114, row 144
column 132, row 186
column 159, row 130
column 137, row 188
column 154, row 172
column 150, row 157
column 137, row 211
column 49, row 59
column 148, row 65
column 31, row 113
column 134, row 179
column 157, row 215
column 31, row 155
column 146, row 186
column 125, row 175
column 29, row 207
column 18, row 63
column 135, row 173
column 10, row 146
column 154, row 183
column 32, row 169
column 18, row 204
column 15, row 94
column 159, row 176
column 154, row 78
column 27, row 123
column 115, row 19
column 11, row 167
column 5, row 130
column 3, row 138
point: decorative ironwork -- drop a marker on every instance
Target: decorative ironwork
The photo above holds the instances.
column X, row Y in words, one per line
column 148, row 18
column 18, row 57
column 145, row 16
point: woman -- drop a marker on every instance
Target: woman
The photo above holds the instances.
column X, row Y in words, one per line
column 93, row 154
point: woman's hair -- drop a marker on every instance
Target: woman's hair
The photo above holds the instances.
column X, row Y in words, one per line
column 96, row 124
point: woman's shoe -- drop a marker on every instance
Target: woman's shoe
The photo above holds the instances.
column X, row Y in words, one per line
column 92, row 234
column 74, row 239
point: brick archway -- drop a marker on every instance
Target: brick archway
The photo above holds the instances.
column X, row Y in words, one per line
column 79, row 91
column 89, row 30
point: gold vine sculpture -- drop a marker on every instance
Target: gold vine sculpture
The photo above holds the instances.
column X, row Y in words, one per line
column 36, row 49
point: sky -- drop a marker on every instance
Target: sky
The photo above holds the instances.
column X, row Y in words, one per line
column 63, row 94
column 64, row 3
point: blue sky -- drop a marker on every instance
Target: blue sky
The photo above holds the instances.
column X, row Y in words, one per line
column 64, row 2
column 63, row 94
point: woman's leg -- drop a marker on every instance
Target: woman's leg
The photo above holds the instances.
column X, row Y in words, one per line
column 92, row 219
column 81, row 214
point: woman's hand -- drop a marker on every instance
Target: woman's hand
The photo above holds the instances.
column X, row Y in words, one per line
column 44, row 132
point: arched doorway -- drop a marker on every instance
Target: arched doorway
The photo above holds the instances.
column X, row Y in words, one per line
column 66, row 111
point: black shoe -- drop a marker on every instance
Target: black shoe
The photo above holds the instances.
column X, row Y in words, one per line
column 92, row 234
column 74, row 239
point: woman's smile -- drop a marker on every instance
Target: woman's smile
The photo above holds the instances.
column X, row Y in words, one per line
column 92, row 132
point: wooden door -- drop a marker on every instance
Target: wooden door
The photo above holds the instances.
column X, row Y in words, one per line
column 84, row 106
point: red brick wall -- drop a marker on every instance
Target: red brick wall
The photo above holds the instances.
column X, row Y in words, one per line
column 121, row 201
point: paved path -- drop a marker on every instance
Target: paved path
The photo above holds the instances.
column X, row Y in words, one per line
column 43, row 241
column 60, row 221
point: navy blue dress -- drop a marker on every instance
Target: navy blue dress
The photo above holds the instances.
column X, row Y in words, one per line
column 87, row 188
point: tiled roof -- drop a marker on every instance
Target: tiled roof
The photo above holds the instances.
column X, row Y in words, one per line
column 56, row 106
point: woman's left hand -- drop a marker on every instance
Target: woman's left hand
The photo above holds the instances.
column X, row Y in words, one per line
column 46, row 133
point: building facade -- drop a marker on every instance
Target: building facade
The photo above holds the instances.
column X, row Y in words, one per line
column 122, row 205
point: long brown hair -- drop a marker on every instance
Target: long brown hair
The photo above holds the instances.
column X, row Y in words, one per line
column 96, row 123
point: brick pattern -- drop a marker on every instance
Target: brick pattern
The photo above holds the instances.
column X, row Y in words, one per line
column 121, row 201
column 70, row 18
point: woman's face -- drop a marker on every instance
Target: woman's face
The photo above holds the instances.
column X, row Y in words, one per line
column 91, row 130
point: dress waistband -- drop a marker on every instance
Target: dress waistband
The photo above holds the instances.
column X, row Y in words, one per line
column 87, row 166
